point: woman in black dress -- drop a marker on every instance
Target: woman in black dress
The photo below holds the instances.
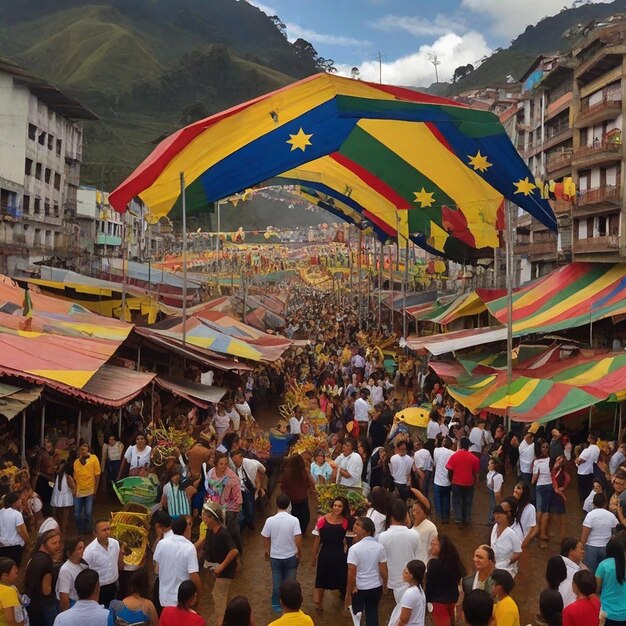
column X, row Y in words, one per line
column 330, row 558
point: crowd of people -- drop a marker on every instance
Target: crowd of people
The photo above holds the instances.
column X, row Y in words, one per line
column 412, row 485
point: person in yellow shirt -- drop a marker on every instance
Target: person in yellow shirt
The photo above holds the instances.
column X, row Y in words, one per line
column 290, row 594
column 11, row 611
column 87, row 477
column 505, row 611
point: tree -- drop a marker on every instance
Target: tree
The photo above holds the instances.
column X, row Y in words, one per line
column 462, row 71
column 304, row 49
column 192, row 113
column 326, row 65
column 434, row 59
column 282, row 27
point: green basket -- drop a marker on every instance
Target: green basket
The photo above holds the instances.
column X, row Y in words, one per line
column 136, row 489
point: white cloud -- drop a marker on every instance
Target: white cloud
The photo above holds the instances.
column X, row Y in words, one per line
column 419, row 26
column 510, row 17
column 416, row 70
column 294, row 32
column 268, row 10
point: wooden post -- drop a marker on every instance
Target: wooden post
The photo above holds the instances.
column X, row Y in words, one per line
column 119, row 424
column 43, row 422
column 23, row 459
column 80, row 419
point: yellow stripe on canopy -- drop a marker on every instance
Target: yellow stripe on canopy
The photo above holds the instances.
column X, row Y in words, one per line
column 415, row 144
column 518, row 397
column 235, row 132
column 592, row 376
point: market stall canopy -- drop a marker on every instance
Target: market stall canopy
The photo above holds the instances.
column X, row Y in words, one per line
column 53, row 339
column 14, row 400
column 451, row 308
column 542, row 394
column 198, row 394
column 456, row 340
column 421, row 165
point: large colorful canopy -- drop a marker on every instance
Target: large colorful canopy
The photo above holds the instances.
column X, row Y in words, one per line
column 419, row 165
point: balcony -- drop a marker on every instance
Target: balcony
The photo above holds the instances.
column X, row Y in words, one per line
column 599, row 152
column 608, row 108
column 601, row 195
column 554, row 136
column 542, row 248
column 606, row 243
column 560, row 206
column 108, row 240
column 558, row 161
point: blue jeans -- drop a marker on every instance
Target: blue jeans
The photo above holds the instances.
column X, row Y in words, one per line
column 83, row 507
column 492, row 505
column 462, row 501
column 282, row 570
column 246, row 515
column 593, row 556
column 442, row 502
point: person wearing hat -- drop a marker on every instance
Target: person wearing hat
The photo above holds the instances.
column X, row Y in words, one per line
column 220, row 555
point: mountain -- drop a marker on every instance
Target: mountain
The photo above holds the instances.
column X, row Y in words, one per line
column 557, row 33
column 147, row 67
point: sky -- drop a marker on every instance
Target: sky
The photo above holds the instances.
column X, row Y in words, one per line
column 406, row 32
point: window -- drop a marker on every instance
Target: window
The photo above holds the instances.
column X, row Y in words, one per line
column 42, row 138
column 57, row 181
column 46, row 206
column 26, row 204
column 32, row 131
column 59, row 147
column 28, row 167
column 38, row 171
column 50, row 142
column 37, row 208
column 56, row 210
column 48, row 174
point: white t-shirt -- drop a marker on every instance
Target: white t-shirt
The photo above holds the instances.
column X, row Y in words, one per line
column 526, row 456
column 602, row 523
column 10, row 519
column 177, row 559
column 295, row 425
column 377, row 394
column 401, row 545
column 442, row 456
column 413, row 598
column 427, row 532
column 379, row 520
column 361, row 410
column 104, row 560
column 565, row 588
column 138, row 459
column 504, row 546
column 494, row 481
column 589, row 456
column 432, row 430
column 476, row 437
column 353, row 464
column 366, row 555
column 400, row 467
column 541, row 468
column 67, row 576
column 588, row 503
column 281, row 529
column 528, row 520
column 423, row 460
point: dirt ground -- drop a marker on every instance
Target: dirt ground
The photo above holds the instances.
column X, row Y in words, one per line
column 254, row 577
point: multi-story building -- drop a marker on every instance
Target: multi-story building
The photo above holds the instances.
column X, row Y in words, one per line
column 570, row 126
column 41, row 141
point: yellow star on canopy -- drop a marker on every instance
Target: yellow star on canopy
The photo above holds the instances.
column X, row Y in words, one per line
column 479, row 162
column 525, row 186
column 299, row 140
column 424, row 197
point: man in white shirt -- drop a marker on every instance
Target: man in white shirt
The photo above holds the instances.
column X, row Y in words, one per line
column 426, row 530
column 442, row 484
column 103, row 554
column 527, row 455
column 358, row 366
column 176, row 560
column 233, row 414
column 295, row 421
column 477, row 438
column 585, row 462
column 282, row 539
column 572, row 553
column 349, row 465
column 401, row 545
column 400, row 466
column 424, row 465
column 250, row 472
column 87, row 609
column 377, row 392
column 362, row 411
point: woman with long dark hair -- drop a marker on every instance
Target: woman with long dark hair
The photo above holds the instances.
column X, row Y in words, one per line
column 611, row 575
column 183, row 613
column 378, row 509
column 550, row 608
column 505, row 541
column 63, row 495
column 525, row 524
column 238, row 612
column 135, row 608
column 75, row 564
column 444, row 573
column 542, row 479
column 330, row 558
column 411, row 609
column 556, row 571
column 296, row 482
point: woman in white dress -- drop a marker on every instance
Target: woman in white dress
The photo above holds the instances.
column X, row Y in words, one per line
column 136, row 458
column 63, row 496
column 505, row 542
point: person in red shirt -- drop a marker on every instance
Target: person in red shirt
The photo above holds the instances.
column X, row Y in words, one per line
column 183, row 614
column 463, row 469
column 586, row 610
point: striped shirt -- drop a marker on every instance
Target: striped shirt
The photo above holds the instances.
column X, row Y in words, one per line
column 177, row 502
